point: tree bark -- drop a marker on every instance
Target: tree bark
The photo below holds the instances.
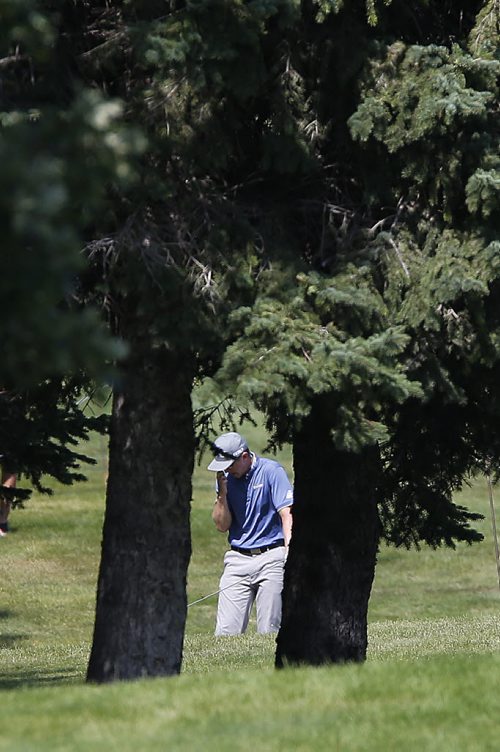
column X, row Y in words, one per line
column 141, row 597
column 331, row 564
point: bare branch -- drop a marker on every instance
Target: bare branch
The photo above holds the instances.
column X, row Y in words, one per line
column 399, row 255
column 11, row 59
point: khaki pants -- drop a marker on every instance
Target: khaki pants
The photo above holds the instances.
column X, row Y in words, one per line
column 247, row 579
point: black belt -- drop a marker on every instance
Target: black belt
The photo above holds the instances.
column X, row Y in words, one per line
column 256, row 551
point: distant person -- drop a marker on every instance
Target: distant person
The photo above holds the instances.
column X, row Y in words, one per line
column 8, row 481
column 253, row 504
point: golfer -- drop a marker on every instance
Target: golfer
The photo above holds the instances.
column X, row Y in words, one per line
column 253, row 504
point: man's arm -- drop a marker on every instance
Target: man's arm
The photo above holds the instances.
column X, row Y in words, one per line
column 220, row 513
column 286, row 522
column 8, row 479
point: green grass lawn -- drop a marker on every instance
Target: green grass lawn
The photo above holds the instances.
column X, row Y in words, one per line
column 430, row 681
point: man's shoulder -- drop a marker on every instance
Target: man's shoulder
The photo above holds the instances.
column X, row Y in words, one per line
column 267, row 465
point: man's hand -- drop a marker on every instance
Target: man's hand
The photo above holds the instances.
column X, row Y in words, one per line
column 221, row 514
column 222, row 484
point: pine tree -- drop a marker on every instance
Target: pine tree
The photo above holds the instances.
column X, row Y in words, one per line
column 47, row 194
column 376, row 352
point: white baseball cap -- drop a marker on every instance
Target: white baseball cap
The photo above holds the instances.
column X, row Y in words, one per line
column 227, row 448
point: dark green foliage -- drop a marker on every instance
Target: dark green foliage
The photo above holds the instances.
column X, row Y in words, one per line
column 389, row 306
column 434, row 110
column 325, row 336
column 418, row 101
column 58, row 152
column 40, row 433
column 56, row 158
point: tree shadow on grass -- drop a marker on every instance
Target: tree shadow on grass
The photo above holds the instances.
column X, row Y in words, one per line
column 7, row 641
column 40, row 678
column 17, row 677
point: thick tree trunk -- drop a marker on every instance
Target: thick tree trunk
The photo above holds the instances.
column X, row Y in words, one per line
column 331, row 565
column 141, row 597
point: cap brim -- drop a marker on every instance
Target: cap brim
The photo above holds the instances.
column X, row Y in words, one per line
column 220, row 464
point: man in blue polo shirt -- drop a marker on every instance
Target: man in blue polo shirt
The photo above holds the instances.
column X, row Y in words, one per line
column 253, row 505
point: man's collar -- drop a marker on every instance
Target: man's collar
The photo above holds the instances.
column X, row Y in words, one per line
column 252, row 467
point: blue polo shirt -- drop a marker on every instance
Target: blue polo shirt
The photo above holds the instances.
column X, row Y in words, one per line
column 254, row 502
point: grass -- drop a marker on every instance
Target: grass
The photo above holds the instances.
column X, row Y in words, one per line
column 444, row 704
column 429, row 681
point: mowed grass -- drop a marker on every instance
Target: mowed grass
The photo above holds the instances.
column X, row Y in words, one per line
column 430, row 681
column 444, row 704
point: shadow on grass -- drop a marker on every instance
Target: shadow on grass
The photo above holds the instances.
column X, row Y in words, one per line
column 40, row 678
column 18, row 677
column 7, row 641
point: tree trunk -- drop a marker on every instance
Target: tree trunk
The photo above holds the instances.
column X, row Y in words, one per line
column 141, row 596
column 331, row 565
